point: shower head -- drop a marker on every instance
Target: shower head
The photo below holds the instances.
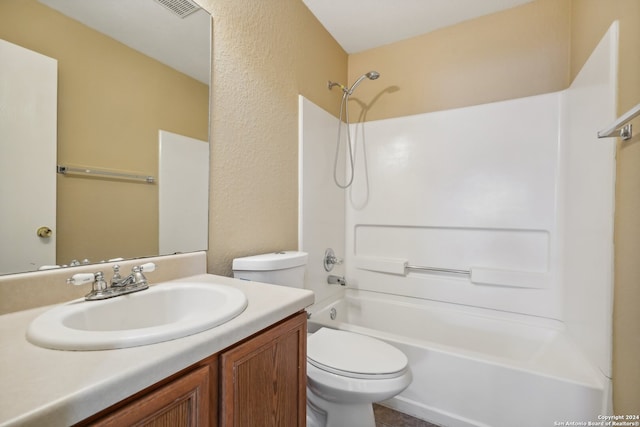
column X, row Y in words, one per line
column 371, row 75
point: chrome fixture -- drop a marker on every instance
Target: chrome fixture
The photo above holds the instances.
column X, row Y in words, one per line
column 621, row 126
column 332, row 279
column 371, row 75
column 346, row 93
column 438, row 269
column 331, row 85
column 330, row 259
column 333, row 313
column 103, row 173
column 116, row 280
column 134, row 282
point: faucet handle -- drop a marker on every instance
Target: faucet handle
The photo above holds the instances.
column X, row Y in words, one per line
column 99, row 287
column 330, row 259
column 148, row 267
column 81, row 279
column 335, row 260
column 99, row 284
column 137, row 272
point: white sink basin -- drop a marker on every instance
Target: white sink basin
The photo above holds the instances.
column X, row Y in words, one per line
column 163, row 312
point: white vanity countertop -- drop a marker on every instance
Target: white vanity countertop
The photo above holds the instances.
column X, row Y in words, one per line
column 59, row 388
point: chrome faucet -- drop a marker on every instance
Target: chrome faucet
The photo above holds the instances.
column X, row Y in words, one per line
column 116, row 280
column 136, row 277
column 330, row 259
column 332, row 279
column 134, row 282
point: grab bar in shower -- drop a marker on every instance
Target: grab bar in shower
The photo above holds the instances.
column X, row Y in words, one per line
column 621, row 127
column 477, row 275
column 437, row 270
column 103, row 173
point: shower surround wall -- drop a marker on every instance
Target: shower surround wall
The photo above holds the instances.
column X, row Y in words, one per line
column 520, row 188
column 460, row 189
column 321, row 221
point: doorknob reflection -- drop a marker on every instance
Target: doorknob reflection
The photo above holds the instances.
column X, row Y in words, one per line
column 44, row 232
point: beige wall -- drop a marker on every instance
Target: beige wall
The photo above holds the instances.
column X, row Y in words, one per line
column 515, row 53
column 112, row 101
column 265, row 54
column 589, row 21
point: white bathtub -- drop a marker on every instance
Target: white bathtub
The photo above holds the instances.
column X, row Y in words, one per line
column 472, row 367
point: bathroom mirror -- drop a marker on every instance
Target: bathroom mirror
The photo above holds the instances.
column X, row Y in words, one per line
column 113, row 116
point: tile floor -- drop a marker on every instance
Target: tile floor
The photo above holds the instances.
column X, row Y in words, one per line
column 386, row 417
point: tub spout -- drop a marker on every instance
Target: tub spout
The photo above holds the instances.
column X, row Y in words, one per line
column 332, row 279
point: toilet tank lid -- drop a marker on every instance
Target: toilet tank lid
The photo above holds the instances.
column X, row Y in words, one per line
column 270, row 261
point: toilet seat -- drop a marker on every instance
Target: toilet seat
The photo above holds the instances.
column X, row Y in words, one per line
column 354, row 355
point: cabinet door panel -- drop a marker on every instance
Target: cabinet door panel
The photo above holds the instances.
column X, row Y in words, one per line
column 264, row 378
column 180, row 403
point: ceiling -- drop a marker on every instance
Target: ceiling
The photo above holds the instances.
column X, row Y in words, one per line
column 145, row 25
column 358, row 25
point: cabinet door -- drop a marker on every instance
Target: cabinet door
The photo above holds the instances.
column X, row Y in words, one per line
column 183, row 402
column 263, row 380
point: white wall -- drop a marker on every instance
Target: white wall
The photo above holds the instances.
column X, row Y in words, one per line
column 587, row 202
column 460, row 189
column 183, row 212
column 28, row 96
column 321, row 203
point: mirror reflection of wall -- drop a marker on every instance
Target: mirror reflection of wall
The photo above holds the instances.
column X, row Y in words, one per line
column 112, row 102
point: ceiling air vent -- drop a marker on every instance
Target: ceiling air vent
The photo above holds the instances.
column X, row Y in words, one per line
column 182, row 8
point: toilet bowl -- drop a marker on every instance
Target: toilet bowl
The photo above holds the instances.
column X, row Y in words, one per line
column 346, row 372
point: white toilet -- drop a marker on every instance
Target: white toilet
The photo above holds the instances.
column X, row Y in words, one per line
column 346, row 372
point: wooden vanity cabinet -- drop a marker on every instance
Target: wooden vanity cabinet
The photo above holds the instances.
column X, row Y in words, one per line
column 263, row 380
column 260, row 381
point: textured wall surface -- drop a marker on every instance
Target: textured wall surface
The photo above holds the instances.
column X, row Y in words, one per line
column 264, row 55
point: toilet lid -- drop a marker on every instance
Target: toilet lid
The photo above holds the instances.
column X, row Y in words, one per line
column 354, row 355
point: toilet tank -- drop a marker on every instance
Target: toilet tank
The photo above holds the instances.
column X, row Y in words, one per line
column 279, row 268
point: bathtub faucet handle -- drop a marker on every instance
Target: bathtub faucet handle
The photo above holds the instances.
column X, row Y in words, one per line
column 332, row 279
column 330, row 259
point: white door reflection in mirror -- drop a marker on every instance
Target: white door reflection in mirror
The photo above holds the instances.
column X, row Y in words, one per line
column 28, row 114
column 183, row 185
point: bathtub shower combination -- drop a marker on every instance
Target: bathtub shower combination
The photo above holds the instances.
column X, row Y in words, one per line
column 478, row 241
column 470, row 369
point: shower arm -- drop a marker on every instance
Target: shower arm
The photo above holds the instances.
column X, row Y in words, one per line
column 331, row 85
column 371, row 75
